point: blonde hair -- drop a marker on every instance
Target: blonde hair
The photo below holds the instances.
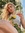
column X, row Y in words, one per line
column 4, row 11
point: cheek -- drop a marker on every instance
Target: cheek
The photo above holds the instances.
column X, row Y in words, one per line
column 8, row 9
column 13, row 9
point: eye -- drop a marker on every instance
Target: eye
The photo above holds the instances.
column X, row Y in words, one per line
column 11, row 6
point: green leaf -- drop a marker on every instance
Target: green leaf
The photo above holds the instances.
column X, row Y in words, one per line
column 18, row 29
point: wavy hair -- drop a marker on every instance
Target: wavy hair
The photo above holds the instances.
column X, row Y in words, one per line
column 4, row 10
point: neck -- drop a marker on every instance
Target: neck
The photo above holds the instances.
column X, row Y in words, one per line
column 13, row 12
column 7, row 15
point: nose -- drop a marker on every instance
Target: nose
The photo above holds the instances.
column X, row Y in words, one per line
column 10, row 8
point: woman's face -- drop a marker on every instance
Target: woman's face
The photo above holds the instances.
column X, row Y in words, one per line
column 10, row 8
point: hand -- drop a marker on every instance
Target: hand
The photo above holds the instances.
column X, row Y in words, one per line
column 22, row 19
column 20, row 15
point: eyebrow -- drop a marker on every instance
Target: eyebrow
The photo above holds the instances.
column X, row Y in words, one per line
column 4, row 30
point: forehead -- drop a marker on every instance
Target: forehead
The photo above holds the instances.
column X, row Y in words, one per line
column 10, row 5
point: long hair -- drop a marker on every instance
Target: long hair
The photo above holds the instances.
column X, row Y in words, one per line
column 4, row 10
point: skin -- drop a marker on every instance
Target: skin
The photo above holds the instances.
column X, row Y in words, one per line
column 22, row 19
column 6, row 27
column 10, row 8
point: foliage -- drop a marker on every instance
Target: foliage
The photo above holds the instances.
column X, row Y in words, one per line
column 2, row 3
column 18, row 29
column 18, row 6
column 6, row 1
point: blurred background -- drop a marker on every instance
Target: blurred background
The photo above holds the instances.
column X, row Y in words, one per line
column 18, row 4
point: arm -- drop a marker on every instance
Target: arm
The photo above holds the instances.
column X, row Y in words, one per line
column 7, row 27
column 22, row 19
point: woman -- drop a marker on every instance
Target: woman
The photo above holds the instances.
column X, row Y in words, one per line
column 8, row 11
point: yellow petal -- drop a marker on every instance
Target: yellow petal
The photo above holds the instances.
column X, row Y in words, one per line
column 14, row 16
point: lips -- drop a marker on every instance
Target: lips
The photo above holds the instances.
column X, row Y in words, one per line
column 10, row 10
